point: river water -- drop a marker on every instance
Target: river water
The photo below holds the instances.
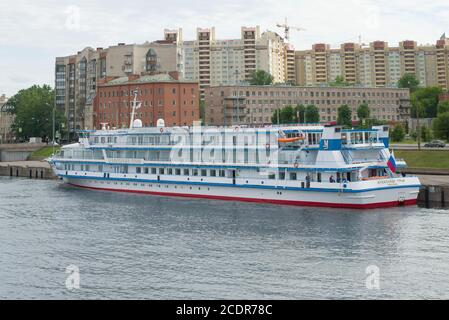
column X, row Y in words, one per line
column 148, row 247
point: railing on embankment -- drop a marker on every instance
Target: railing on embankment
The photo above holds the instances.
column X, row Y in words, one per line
column 22, row 169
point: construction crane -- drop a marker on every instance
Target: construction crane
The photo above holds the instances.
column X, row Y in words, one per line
column 287, row 28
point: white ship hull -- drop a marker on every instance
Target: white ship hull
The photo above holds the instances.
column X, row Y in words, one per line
column 401, row 192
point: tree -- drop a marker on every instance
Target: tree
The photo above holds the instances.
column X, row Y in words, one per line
column 426, row 134
column 261, row 78
column 312, row 114
column 443, row 107
column 344, row 116
column 33, row 110
column 398, row 133
column 409, row 81
column 363, row 112
column 339, row 82
column 287, row 114
column 300, row 111
column 426, row 99
column 441, row 126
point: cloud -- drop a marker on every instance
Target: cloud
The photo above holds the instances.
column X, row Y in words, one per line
column 33, row 33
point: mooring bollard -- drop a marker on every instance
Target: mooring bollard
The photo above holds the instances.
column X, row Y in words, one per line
column 426, row 196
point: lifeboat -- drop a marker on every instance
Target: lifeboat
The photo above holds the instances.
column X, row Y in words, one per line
column 289, row 140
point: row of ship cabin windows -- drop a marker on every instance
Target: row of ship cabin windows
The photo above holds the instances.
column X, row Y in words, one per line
column 309, row 176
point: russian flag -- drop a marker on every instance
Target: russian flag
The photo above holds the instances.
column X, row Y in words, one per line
column 391, row 163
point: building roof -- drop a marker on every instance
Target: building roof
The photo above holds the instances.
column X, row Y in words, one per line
column 286, row 86
column 156, row 78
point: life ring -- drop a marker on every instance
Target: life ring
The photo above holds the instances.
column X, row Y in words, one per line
column 267, row 146
column 236, row 129
column 296, row 164
column 161, row 130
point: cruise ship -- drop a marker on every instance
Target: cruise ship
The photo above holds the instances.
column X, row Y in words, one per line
column 304, row 165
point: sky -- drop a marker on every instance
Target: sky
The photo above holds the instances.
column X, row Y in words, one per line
column 33, row 33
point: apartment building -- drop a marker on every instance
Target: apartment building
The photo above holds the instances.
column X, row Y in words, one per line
column 162, row 96
column 254, row 105
column 77, row 76
column 374, row 65
column 6, row 121
column 213, row 62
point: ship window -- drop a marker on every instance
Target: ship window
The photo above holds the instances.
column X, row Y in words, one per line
column 293, row 176
column 318, row 176
column 153, row 170
column 282, row 175
column 138, row 170
column 195, row 172
column 102, row 139
column 115, row 139
column 271, row 176
column 146, row 170
column 178, row 172
column 170, row 171
column 213, row 173
column 222, row 173
column 186, row 172
column 87, row 167
column 96, row 139
column 203, row 173
column 109, row 139
column 161, row 170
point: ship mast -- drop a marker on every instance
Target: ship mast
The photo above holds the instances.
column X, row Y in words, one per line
column 135, row 106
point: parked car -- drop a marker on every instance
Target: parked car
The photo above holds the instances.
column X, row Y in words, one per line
column 435, row 144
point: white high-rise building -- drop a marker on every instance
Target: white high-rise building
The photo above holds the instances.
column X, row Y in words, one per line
column 214, row 62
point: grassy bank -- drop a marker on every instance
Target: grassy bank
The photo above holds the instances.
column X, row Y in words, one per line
column 43, row 153
column 424, row 158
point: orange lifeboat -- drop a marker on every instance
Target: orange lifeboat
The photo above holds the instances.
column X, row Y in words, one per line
column 288, row 140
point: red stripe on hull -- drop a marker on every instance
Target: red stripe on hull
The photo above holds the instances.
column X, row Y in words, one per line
column 390, row 204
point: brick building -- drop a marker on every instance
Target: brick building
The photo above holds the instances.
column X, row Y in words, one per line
column 162, row 96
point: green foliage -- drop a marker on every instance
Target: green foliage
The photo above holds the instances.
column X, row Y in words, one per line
column 312, row 114
column 424, row 158
column 339, row 82
column 300, row 111
column 363, row 113
column 344, row 116
column 261, row 78
column 409, row 81
column 289, row 114
column 398, row 133
column 425, row 100
column 33, row 110
column 441, row 126
column 426, row 134
column 43, row 153
column 443, row 107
